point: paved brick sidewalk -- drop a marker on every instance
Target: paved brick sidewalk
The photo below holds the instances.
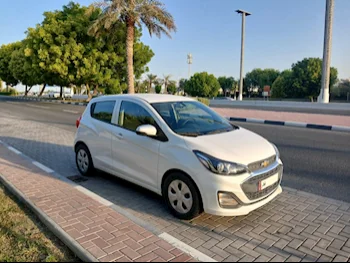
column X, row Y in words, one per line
column 321, row 119
column 98, row 229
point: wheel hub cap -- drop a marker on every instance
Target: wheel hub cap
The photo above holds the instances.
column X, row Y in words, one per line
column 83, row 161
column 180, row 197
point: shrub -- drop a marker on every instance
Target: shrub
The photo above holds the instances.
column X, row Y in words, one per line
column 11, row 92
column 205, row 101
column 158, row 89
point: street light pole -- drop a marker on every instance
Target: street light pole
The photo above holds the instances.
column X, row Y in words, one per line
column 244, row 14
column 327, row 51
column 189, row 62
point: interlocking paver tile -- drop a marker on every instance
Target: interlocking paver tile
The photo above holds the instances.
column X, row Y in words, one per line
column 293, row 217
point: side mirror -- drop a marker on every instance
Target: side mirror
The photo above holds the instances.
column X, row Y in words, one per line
column 147, row 130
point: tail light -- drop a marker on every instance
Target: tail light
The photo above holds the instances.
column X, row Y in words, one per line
column 77, row 123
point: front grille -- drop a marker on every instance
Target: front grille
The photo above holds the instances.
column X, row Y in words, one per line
column 262, row 164
column 251, row 187
column 258, row 195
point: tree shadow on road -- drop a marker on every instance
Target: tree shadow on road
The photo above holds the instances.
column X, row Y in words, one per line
column 271, row 223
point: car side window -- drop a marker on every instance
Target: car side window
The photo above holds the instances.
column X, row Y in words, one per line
column 132, row 115
column 103, row 111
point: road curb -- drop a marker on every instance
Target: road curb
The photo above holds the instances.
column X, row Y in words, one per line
column 78, row 250
column 292, row 124
column 54, row 101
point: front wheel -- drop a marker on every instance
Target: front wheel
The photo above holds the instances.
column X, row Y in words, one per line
column 182, row 196
column 84, row 160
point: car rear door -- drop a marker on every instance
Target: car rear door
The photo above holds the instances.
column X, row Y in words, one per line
column 100, row 137
column 135, row 157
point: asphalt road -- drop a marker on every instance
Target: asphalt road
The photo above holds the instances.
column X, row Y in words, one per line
column 315, row 161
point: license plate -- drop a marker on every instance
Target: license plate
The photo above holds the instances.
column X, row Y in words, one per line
column 268, row 182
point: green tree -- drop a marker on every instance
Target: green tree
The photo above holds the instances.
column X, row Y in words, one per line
column 227, row 84
column 166, row 81
column 182, row 84
column 282, row 85
column 1, row 85
column 258, row 78
column 342, row 90
column 172, row 88
column 22, row 69
column 202, row 85
column 140, row 86
column 150, row 13
column 306, row 78
column 5, row 58
column 158, row 88
column 67, row 55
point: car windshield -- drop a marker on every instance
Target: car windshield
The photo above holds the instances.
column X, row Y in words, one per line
column 191, row 118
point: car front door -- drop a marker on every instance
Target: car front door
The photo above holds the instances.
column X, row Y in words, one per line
column 135, row 156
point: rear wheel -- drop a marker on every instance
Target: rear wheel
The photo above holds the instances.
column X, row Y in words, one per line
column 84, row 160
column 182, row 196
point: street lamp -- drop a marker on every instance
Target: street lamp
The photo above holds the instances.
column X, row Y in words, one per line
column 326, row 66
column 189, row 62
column 244, row 14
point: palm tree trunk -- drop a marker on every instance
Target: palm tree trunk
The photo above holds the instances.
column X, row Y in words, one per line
column 89, row 93
column 130, row 36
column 42, row 90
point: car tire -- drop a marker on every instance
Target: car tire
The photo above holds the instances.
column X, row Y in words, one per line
column 177, row 188
column 83, row 160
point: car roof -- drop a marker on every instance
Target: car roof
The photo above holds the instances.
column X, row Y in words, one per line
column 150, row 98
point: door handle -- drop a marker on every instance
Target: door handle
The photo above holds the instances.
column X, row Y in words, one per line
column 119, row 136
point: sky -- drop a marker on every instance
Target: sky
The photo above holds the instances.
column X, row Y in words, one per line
column 278, row 34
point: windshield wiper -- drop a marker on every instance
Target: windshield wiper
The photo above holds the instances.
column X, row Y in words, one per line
column 189, row 134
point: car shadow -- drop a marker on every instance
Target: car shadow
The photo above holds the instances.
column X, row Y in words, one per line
column 150, row 208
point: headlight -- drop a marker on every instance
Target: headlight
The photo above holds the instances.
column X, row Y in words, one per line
column 277, row 151
column 218, row 166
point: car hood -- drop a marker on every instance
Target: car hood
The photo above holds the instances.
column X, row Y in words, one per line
column 240, row 146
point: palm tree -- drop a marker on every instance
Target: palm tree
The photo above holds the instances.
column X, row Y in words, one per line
column 167, row 81
column 151, row 79
column 140, row 86
column 150, row 13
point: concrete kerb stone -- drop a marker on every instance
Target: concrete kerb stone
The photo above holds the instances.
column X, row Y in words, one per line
column 71, row 243
column 53, row 227
column 53, row 101
column 247, row 120
column 292, row 124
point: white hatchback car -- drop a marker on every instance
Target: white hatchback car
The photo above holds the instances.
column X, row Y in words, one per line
column 181, row 149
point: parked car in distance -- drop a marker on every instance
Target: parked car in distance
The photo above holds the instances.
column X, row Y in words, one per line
column 53, row 95
column 181, row 149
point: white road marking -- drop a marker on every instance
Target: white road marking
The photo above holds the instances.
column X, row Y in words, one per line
column 93, row 196
column 14, row 150
column 39, row 107
column 12, row 102
column 71, row 111
column 186, row 248
column 43, row 167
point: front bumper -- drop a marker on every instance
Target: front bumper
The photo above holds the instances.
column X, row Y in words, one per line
column 245, row 189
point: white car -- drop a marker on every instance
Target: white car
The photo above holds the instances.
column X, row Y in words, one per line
column 54, row 95
column 181, row 149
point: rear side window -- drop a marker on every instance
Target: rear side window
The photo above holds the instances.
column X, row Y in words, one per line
column 103, row 111
column 132, row 115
